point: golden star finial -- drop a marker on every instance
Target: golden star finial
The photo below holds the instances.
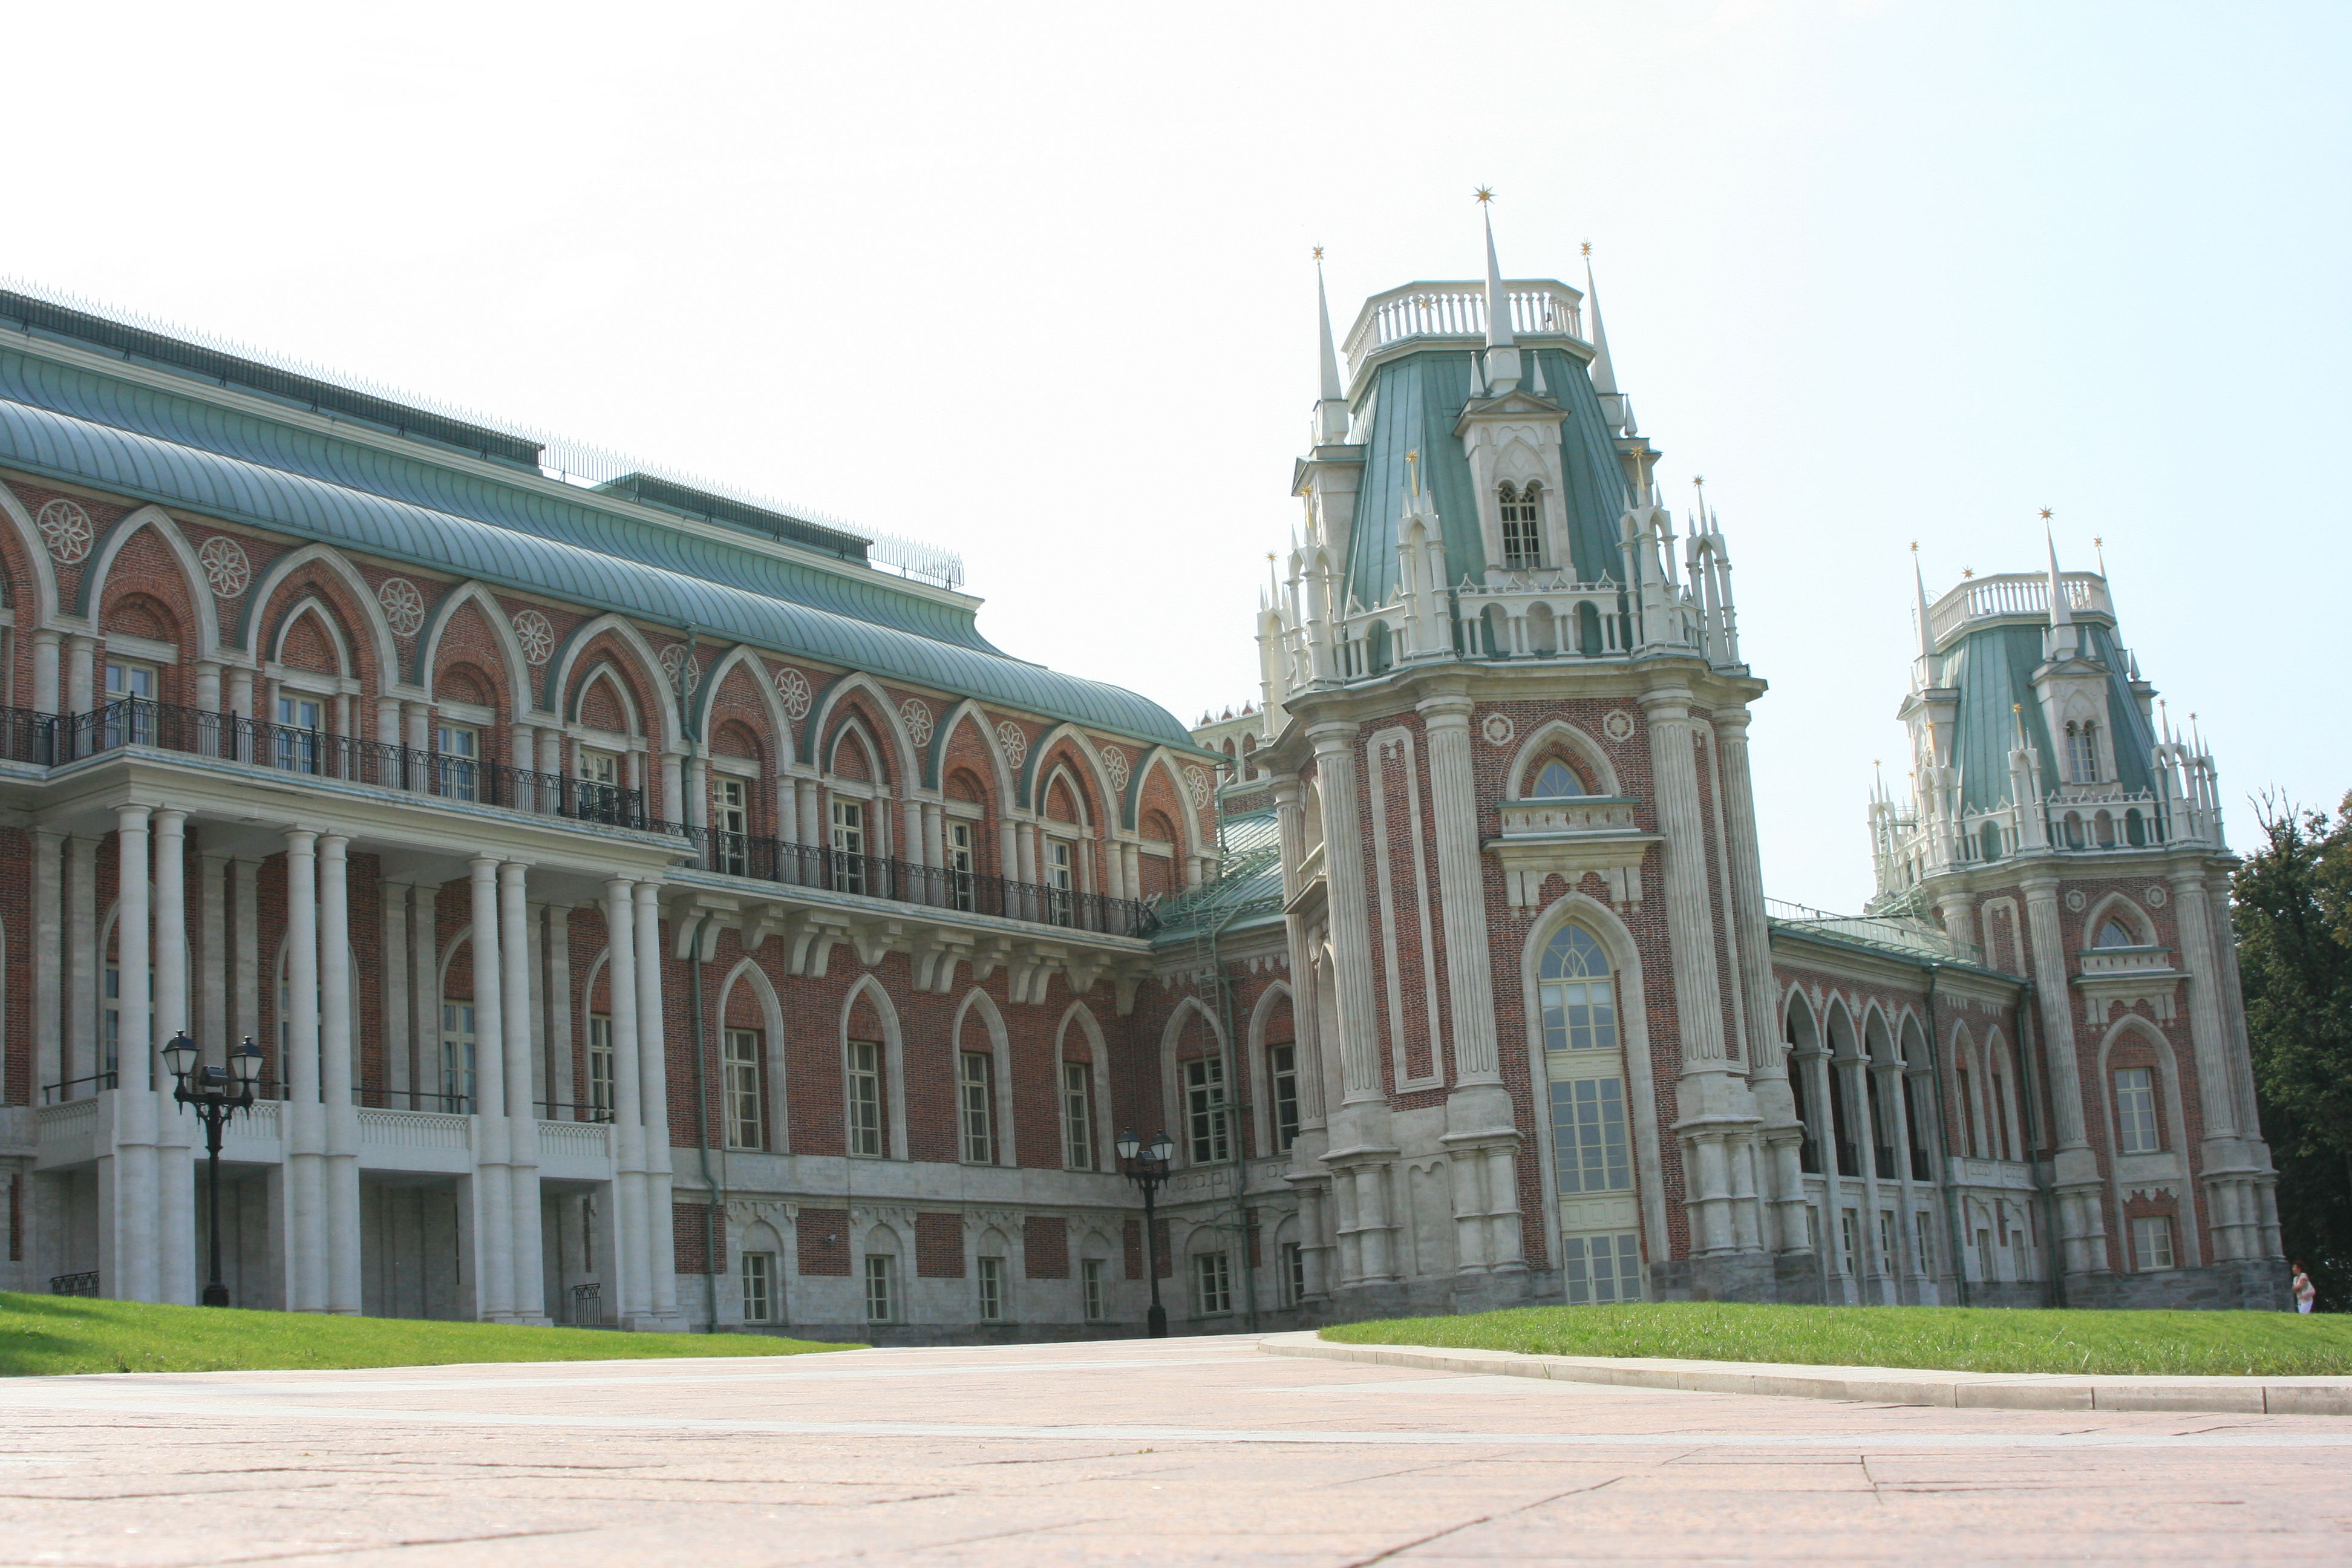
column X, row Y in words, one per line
column 1318, row 253
column 1587, row 247
column 2046, row 514
column 1699, row 479
column 1968, row 571
column 1915, row 547
column 1485, row 194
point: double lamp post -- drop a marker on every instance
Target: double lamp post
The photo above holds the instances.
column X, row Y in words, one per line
column 1148, row 1168
column 217, row 1093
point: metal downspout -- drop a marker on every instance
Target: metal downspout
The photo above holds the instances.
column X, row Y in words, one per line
column 1239, row 1082
column 1954, row 1249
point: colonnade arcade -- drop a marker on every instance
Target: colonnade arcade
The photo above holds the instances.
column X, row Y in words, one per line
column 425, row 1144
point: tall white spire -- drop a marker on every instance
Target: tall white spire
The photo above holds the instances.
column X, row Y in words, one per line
column 1331, row 387
column 1331, row 403
column 1604, row 373
column 1919, row 587
column 1498, row 301
column 1501, row 351
column 2063, row 636
column 1613, row 407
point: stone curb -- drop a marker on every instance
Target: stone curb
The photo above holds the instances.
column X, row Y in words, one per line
column 1876, row 1385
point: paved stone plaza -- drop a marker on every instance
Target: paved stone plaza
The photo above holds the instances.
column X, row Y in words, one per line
column 1185, row 1451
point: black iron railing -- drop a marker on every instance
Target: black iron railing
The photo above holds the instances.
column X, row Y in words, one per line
column 82, row 1284
column 1885, row 1153
column 1919, row 1167
column 934, row 887
column 166, row 726
column 52, row 739
column 78, row 1087
column 28, row 737
column 588, row 1304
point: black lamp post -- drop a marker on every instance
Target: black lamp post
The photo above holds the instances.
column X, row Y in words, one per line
column 1148, row 1168
column 217, row 1093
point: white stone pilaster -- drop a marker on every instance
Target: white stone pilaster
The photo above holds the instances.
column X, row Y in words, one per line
column 134, row 1272
column 493, row 1193
column 176, row 1130
column 303, row 1180
column 631, row 1279
column 338, row 1045
column 653, row 1070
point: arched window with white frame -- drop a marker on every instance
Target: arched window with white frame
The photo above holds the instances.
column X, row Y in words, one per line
column 1600, row 1244
column 1522, row 515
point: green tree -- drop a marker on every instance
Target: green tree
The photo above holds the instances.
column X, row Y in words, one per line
column 2291, row 902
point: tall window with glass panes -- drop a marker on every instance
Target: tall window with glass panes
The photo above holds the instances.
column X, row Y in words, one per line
column 731, row 827
column 975, row 1090
column 746, row 1089
column 1204, row 1110
column 1077, row 1117
column 1601, row 1245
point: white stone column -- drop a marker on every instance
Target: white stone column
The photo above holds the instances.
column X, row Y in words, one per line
column 338, row 1044
column 1482, row 1132
column 522, row 1116
column 1707, row 1109
column 46, row 685
column 304, row 1181
column 424, row 982
column 49, row 973
column 675, row 804
column 2228, row 1168
column 176, row 1130
column 245, row 962
column 134, row 1274
column 85, row 963
column 1361, row 1142
column 399, row 1076
column 212, row 984
column 2075, row 1170
column 493, row 1201
column 81, row 654
column 556, row 1014
column 629, row 1276
column 652, row 1077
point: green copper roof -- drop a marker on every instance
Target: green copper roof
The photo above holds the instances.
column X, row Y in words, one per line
column 1993, row 669
column 1246, row 890
column 1412, row 406
column 62, row 422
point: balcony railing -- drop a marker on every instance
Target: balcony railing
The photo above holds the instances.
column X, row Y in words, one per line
column 49, row 739
column 934, row 887
column 53, row 739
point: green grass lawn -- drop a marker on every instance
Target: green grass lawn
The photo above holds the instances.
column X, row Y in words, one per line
column 1957, row 1339
column 46, row 1334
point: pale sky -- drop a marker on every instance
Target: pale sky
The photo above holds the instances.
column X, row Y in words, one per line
column 1032, row 282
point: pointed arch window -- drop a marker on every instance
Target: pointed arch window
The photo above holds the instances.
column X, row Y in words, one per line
column 2082, row 753
column 1555, row 781
column 2113, row 932
column 1522, row 513
column 1580, row 996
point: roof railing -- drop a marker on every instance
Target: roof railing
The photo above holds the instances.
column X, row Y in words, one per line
column 1539, row 307
column 2015, row 593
